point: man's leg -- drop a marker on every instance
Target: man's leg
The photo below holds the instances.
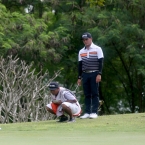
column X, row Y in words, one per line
column 72, row 109
column 62, row 117
column 50, row 110
column 95, row 98
column 95, row 93
column 87, row 92
column 88, row 104
column 95, row 104
column 67, row 110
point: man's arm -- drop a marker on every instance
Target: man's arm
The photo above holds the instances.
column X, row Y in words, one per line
column 80, row 70
column 100, row 65
column 98, row 77
column 70, row 97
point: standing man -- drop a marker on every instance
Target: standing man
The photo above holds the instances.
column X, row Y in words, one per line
column 90, row 69
column 63, row 101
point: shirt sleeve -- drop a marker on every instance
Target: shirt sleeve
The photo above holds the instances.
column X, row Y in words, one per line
column 100, row 65
column 79, row 56
column 100, row 53
column 69, row 96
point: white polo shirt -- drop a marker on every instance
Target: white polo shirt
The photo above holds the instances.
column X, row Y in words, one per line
column 89, row 57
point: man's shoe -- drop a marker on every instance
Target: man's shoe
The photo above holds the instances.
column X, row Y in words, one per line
column 72, row 120
column 93, row 116
column 86, row 115
column 63, row 118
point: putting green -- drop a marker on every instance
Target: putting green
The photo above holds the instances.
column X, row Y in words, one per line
column 71, row 138
column 127, row 129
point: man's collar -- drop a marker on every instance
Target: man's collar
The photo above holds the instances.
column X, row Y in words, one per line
column 90, row 45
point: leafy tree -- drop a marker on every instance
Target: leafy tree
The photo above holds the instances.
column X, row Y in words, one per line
column 32, row 39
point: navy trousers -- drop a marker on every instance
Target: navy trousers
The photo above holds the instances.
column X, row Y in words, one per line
column 91, row 92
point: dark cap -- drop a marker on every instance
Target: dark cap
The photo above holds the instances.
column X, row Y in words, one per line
column 53, row 86
column 86, row 35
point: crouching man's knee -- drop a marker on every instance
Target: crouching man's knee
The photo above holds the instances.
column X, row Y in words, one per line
column 50, row 110
column 64, row 107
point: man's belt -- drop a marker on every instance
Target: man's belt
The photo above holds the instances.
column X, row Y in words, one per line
column 89, row 71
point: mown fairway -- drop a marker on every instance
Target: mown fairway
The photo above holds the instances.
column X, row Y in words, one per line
column 127, row 129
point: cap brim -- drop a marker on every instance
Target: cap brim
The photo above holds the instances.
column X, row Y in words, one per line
column 84, row 37
column 53, row 88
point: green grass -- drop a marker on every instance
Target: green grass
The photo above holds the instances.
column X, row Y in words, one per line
column 126, row 129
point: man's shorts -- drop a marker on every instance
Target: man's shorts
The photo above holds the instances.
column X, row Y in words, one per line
column 74, row 107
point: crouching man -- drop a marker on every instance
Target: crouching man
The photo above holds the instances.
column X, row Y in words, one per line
column 63, row 101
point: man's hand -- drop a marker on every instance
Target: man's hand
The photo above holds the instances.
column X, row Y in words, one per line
column 79, row 82
column 57, row 102
column 98, row 78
